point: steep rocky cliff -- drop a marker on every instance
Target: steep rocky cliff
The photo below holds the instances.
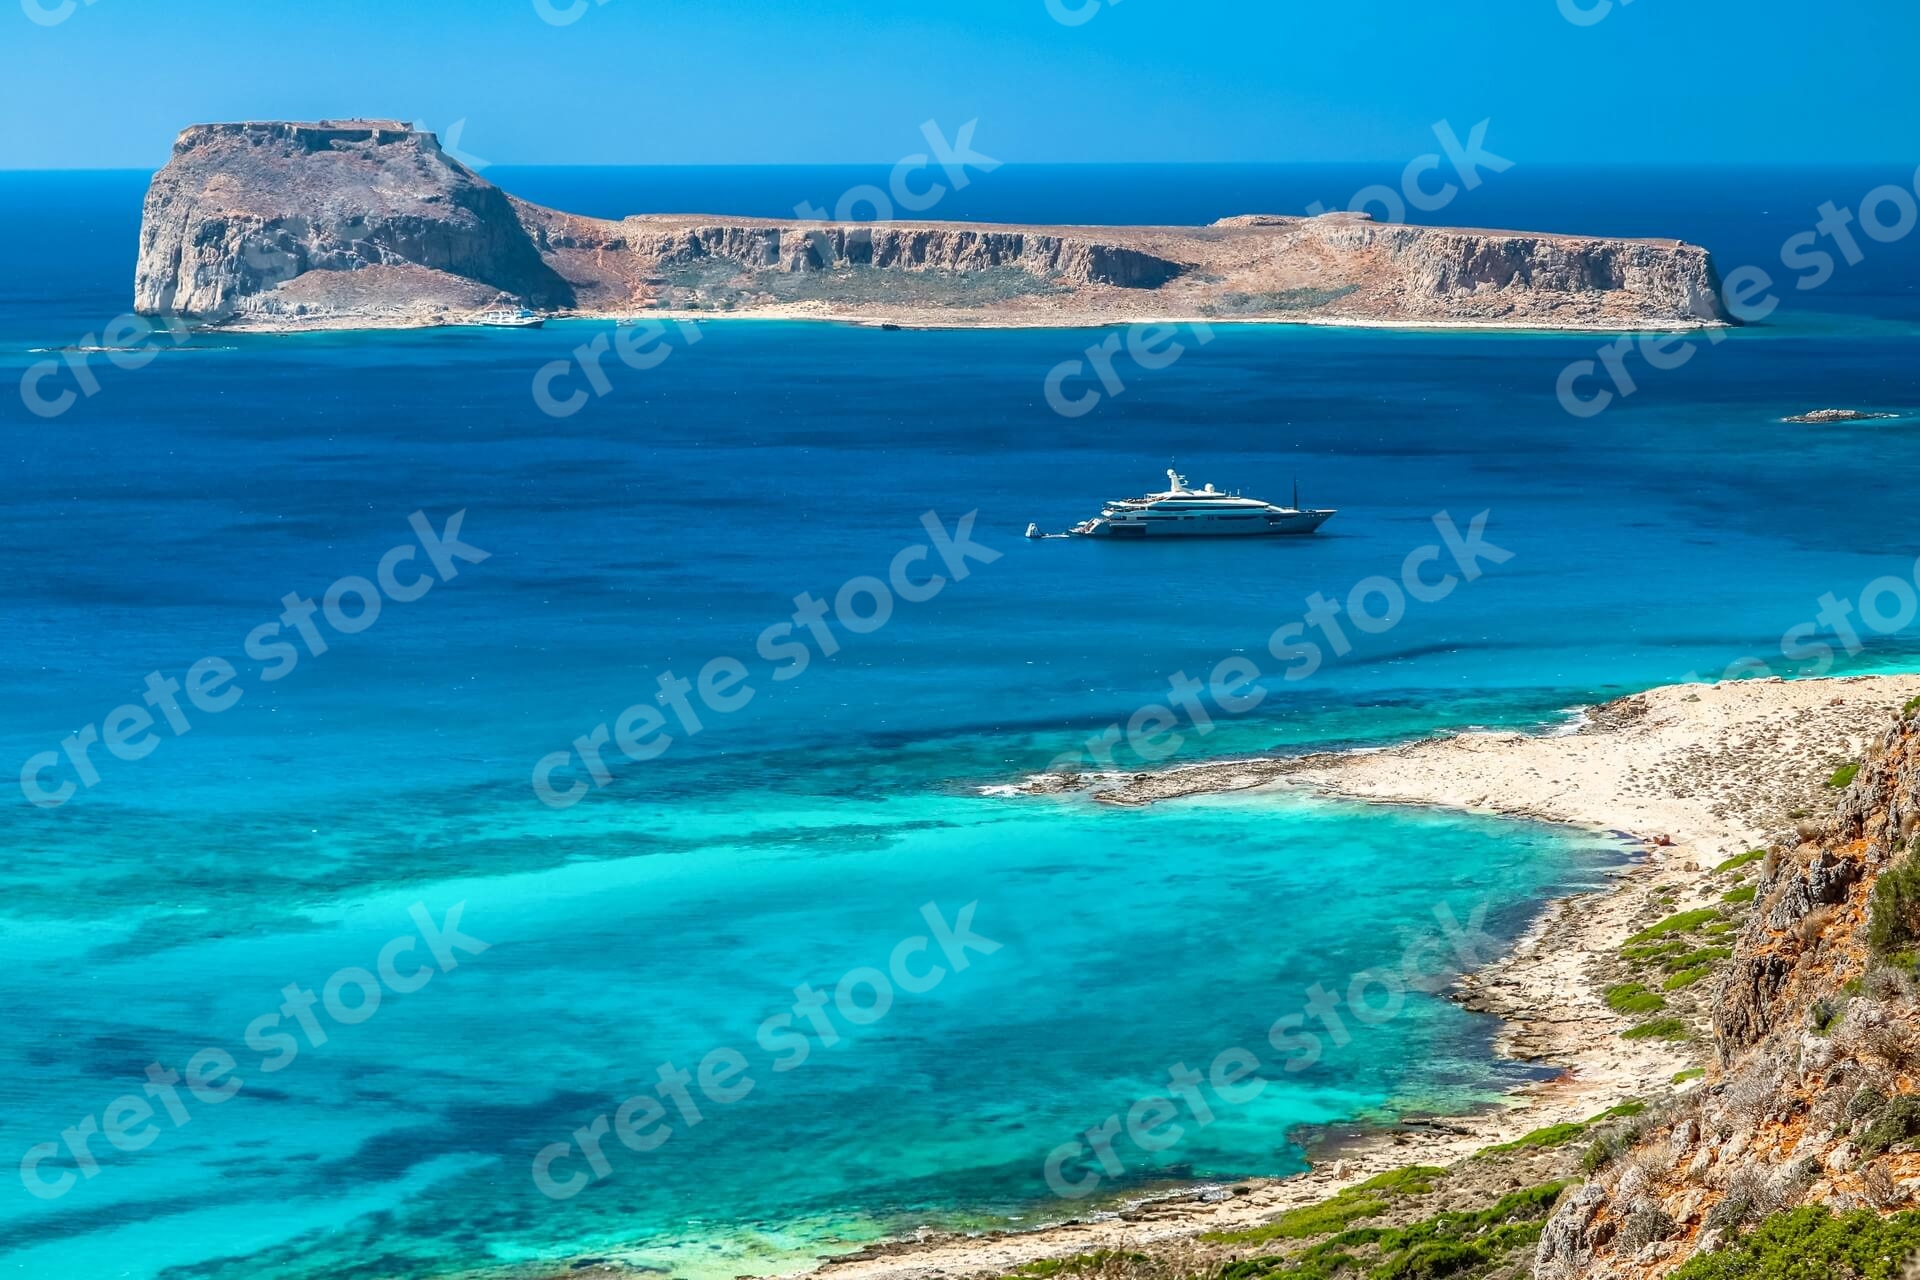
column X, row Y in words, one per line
column 1812, row 1104
column 367, row 221
column 243, row 208
column 883, row 245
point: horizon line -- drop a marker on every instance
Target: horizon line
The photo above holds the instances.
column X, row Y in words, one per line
column 1773, row 165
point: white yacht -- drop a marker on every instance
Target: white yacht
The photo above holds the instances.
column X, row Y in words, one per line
column 1181, row 512
column 508, row 318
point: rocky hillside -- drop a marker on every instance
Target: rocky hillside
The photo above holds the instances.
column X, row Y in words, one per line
column 274, row 225
column 1799, row 1143
column 242, row 209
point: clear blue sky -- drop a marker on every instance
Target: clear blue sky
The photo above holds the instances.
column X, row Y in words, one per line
column 828, row 81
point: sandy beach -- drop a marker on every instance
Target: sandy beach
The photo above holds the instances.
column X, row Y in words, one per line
column 1696, row 773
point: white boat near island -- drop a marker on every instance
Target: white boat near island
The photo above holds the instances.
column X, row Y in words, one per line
column 508, row 318
column 1206, row 512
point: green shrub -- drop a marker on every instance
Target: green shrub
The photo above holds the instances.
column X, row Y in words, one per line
column 1596, row 1157
column 1893, row 919
column 1632, row 997
column 1448, row 1257
column 1443, row 1245
column 1554, row 1135
column 931, row 286
column 1868, row 1103
column 1321, row 1219
column 1366, row 1200
column 1685, row 978
column 1685, row 922
column 1913, row 705
column 1234, row 304
column 1312, row 1265
column 1046, row 1268
column 1658, row 1029
column 1898, row 1121
column 1626, row 1110
column 1744, row 893
column 1740, row 860
column 1691, row 1073
column 1450, row 1242
column 1414, row 1180
column 1653, row 951
column 1694, row 959
column 1810, row 1243
column 1337, row 1213
column 1843, row 776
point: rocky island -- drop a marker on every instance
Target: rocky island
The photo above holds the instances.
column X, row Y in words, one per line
column 1821, row 417
column 369, row 223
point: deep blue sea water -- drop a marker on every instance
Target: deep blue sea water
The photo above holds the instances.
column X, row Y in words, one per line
column 672, row 520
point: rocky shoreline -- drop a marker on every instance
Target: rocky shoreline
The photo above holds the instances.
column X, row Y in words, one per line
column 1697, row 774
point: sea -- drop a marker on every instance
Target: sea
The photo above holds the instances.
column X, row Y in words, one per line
column 826, row 849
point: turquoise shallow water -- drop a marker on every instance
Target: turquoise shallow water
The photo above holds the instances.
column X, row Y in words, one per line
column 1128, row 941
column 674, row 910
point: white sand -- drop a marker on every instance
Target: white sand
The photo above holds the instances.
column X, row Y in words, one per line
column 1715, row 768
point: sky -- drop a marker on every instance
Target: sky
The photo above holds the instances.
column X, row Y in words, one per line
column 108, row 83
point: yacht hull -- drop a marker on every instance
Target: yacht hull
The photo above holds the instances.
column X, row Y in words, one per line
column 1291, row 524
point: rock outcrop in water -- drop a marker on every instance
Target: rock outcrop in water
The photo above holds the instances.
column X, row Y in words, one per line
column 370, row 222
column 1823, row 417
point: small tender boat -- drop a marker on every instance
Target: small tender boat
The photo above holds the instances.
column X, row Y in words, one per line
column 1206, row 512
column 508, row 318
